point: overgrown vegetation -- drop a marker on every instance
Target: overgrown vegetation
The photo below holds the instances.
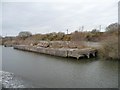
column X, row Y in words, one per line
column 110, row 48
column 109, row 39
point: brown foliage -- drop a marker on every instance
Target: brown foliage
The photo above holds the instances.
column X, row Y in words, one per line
column 110, row 48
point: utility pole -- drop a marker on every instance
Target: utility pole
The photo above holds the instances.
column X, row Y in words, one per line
column 67, row 42
column 100, row 27
column 82, row 28
column 79, row 29
column 67, row 31
column 6, row 35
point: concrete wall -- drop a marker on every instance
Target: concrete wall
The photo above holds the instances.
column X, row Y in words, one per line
column 63, row 52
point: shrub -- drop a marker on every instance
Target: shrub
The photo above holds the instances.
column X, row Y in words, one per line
column 25, row 34
column 95, row 31
column 109, row 50
column 112, row 28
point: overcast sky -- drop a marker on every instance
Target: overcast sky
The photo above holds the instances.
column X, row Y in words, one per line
column 45, row 16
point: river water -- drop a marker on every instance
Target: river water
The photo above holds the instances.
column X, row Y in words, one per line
column 47, row 71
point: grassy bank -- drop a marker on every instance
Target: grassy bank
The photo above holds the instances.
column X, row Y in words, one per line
column 110, row 44
column 109, row 40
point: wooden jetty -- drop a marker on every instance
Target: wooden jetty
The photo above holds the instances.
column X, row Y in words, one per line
column 62, row 52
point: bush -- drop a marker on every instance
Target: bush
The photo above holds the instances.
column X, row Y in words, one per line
column 95, row 31
column 25, row 34
column 109, row 50
column 112, row 28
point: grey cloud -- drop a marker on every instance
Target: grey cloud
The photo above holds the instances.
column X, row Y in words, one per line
column 43, row 17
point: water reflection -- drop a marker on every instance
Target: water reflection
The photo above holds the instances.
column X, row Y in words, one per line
column 50, row 71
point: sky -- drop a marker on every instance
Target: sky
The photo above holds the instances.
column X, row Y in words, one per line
column 46, row 16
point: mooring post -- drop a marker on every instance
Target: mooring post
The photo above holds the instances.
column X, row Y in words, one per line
column 88, row 55
column 77, row 57
column 93, row 54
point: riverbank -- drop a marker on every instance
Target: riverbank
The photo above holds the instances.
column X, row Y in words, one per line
column 72, row 49
column 69, row 49
column 107, row 42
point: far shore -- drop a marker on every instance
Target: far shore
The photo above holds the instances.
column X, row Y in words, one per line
column 105, row 42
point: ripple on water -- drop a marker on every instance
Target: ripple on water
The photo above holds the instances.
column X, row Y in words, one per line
column 9, row 80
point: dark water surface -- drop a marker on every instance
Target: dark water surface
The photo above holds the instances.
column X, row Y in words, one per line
column 56, row 72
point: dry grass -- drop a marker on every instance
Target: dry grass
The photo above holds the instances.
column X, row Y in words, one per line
column 110, row 48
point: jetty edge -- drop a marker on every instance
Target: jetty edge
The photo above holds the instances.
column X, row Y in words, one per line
column 62, row 52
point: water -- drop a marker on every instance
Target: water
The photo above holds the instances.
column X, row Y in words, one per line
column 9, row 80
column 56, row 72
